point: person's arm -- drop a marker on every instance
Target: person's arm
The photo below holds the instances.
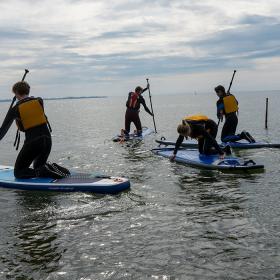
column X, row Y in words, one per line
column 220, row 109
column 11, row 115
column 142, row 101
column 128, row 97
column 179, row 141
column 144, row 89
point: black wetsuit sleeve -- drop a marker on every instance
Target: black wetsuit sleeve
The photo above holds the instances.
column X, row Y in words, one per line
column 220, row 107
column 142, row 101
column 10, row 117
column 179, row 141
column 144, row 89
column 128, row 97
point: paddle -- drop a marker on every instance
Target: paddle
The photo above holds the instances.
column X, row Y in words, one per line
column 228, row 91
column 26, row 71
column 148, row 85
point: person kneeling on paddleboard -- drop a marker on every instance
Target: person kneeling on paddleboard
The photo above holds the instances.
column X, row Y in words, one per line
column 203, row 129
column 135, row 99
column 31, row 119
column 227, row 106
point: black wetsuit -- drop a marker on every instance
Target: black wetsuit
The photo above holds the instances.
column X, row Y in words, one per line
column 36, row 147
column 132, row 114
column 205, row 132
column 230, row 125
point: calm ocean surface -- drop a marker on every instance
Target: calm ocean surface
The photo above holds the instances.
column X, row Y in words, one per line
column 176, row 222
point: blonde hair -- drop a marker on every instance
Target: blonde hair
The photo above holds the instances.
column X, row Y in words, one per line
column 21, row 88
column 184, row 129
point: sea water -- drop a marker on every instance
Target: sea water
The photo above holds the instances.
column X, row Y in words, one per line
column 176, row 221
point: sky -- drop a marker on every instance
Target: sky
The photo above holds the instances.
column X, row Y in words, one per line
column 105, row 47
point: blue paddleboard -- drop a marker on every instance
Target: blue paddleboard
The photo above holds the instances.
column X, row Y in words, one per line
column 74, row 183
column 235, row 145
column 193, row 158
column 133, row 136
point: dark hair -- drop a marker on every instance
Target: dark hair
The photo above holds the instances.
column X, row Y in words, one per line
column 21, row 88
column 220, row 88
column 137, row 89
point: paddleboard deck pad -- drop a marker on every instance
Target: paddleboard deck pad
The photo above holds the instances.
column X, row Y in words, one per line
column 133, row 136
column 193, row 158
column 75, row 182
column 235, row 145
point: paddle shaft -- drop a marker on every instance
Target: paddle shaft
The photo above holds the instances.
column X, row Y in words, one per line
column 151, row 105
column 14, row 98
column 266, row 112
column 228, row 91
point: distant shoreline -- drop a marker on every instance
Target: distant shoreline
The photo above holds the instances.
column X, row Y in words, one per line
column 61, row 98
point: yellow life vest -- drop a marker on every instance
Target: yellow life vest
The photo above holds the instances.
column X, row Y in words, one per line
column 196, row 118
column 31, row 114
column 230, row 104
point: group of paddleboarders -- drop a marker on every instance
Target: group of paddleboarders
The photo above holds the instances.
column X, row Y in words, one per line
column 205, row 130
column 30, row 118
column 199, row 127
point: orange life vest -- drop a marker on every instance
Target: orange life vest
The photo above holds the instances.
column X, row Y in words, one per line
column 195, row 118
column 31, row 114
column 230, row 104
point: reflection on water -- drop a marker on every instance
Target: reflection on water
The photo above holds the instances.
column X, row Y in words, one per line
column 176, row 222
column 34, row 249
column 136, row 156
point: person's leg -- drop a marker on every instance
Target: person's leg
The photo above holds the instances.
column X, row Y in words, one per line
column 138, row 125
column 207, row 147
column 201, row 145
column 24, row 159
column 44, row 169
column 58, row 169
column 229, row 129
column 252, row 139
column 127, row 122
column 232, row 138
column 46, row 145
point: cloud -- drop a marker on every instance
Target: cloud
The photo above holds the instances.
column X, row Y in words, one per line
column 247, row 41
column 100, row 42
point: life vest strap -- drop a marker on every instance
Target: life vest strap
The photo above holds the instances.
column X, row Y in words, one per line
column 49, row 126
column 17, row 140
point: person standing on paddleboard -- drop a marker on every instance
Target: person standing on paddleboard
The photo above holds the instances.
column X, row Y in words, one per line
column 204, row 130
column 31, row 119
column 133, row 103
column 227, row 106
